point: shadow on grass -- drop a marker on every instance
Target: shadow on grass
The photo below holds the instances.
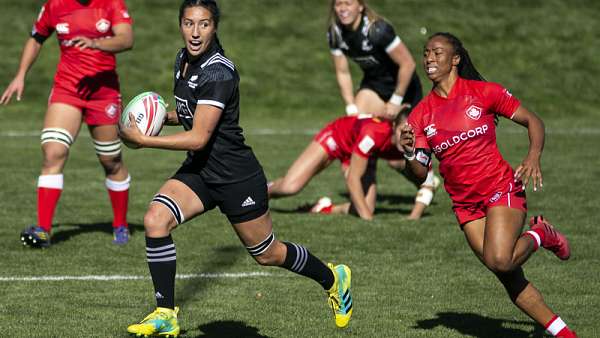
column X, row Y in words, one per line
column 222, row 259
column 226, row 328
column 474, row 325
column 61, row 235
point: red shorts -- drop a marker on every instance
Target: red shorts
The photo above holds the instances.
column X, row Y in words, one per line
column 100, row 101
column 326, row 139
column 512, row 196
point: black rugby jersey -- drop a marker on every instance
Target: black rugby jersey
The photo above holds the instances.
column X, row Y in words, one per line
column 212, row 79
column 368, row 46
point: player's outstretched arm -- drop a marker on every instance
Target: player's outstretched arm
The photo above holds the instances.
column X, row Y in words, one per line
column 344, row 80
column 17, row 85
column 121, row 41
column 530, row 168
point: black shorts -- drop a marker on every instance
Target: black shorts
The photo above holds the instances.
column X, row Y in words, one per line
column 240, row 202
column 386, row 87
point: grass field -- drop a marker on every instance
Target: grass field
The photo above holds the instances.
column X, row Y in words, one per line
column 411, row 279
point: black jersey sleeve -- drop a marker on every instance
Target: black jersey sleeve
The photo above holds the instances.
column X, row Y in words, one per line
column 382, row 33
column 215, row 86
column 333, row 38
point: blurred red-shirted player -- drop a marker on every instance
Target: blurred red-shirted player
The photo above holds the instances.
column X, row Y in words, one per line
column 86, row 87
column 356, row 141
column 455, row 121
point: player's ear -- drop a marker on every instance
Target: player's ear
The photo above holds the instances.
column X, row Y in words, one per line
column 455, row 59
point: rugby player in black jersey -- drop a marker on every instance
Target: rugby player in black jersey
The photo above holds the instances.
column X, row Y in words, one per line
column 220, row 170
column 389, row 78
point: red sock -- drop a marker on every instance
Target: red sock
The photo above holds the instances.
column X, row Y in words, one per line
column 558, row 328
column 48, row 193
column 119, row 199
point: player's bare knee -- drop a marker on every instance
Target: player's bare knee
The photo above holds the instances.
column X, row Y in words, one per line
column 54, row 155
column 111, row 164
column 289, row 187
column 499, row 264
column 155, row 223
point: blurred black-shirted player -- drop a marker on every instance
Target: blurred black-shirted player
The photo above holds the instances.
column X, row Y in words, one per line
column 220, row 170
column 389, row 78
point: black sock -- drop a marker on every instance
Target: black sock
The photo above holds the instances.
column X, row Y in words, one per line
column 162, row 261
column 301, row 261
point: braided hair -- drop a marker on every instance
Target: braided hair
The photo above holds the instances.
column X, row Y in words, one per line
column 466, row 69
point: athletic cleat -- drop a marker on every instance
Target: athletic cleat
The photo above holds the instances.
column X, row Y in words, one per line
column 160, row 323
column 553, row 240
column 35, row 237
column 120, row 235
column 340, row 297
column 323, row 206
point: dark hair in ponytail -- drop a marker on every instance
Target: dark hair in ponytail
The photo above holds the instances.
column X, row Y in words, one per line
column 210, row 5
column 466, row 69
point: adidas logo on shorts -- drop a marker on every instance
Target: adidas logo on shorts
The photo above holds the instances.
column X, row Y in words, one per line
column 248, row 202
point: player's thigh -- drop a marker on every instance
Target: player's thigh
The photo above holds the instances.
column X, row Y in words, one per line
column 474, row 233
column 174, row 204
column 312, row 160
column 63, row 116
column 368, row 101
column 104, row 133
column 502, row 230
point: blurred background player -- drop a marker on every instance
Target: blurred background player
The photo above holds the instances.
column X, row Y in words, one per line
column 220, row 170
column 456, row 122
column 389, row 77
column 357, row 141
column 86, row 87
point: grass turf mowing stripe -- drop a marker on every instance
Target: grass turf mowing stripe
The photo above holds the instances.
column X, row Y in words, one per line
column 206, row 275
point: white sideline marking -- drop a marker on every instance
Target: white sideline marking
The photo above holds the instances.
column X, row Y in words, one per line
column 310, row 131
column 133, row 277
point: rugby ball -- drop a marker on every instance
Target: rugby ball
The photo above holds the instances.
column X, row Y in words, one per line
column 149, row 111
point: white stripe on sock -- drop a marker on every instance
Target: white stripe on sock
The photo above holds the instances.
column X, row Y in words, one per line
column 556, row 326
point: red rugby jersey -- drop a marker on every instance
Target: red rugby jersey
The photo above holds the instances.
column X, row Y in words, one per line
column 460, row 131
column 69, row 19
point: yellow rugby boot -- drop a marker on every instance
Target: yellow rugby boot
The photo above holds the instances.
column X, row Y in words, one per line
column 340, row 297
column 160, row 323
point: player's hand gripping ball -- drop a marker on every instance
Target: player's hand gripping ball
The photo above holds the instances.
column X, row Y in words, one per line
column 149, row 111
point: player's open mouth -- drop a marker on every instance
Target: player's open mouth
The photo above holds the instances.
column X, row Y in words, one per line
column 430, row 69
column 195, row 44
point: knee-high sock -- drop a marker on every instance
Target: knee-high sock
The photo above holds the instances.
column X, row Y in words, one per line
column 162, row 262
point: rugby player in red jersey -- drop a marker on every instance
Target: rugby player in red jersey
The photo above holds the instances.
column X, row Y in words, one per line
column 86, row 87
column 357, row 141
column 455, row 121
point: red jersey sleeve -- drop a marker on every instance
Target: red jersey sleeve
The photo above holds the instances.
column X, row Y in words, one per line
column 503, row 103
column 43, row 28
column 119, row 13
column 371, row 138
column 415, row 120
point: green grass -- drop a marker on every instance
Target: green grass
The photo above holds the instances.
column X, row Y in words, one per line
column 411, row 279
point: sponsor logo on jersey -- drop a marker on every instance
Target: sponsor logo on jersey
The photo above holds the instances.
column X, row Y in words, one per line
column 430, row 130
column 248, row 202
column 62, row 28
column 496, row 197
column 474, row 112
column 456, row 139
column 103, row 25
column 366, row 144
column 191, row 82
column 183, row 109
column 111, row 110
